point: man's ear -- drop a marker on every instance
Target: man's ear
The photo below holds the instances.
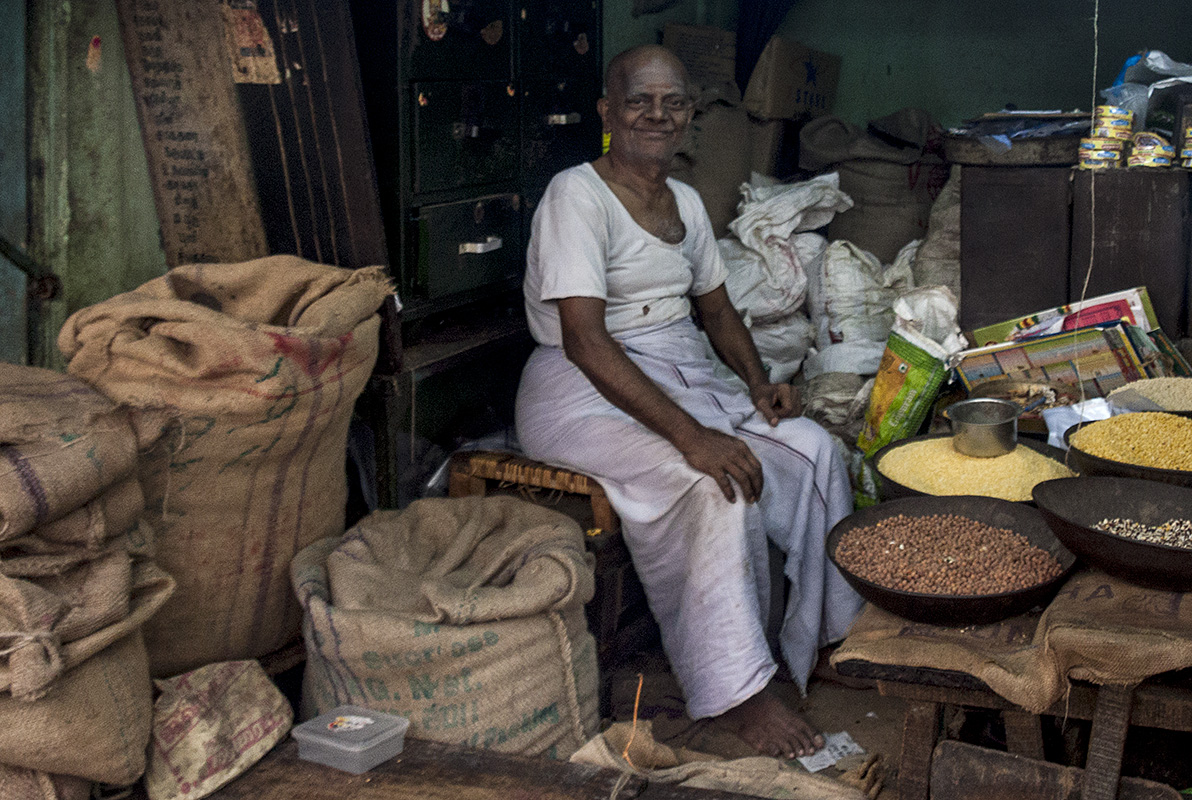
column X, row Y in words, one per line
column 602, row 110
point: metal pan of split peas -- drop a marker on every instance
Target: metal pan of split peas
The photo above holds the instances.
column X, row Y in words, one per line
column 955, row 561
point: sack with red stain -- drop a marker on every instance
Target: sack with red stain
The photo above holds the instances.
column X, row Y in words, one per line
column 241, row 379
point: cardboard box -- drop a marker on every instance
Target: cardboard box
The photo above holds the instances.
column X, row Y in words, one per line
column 1101, row 358
column 792, row 80
column 710, row 54
column 1133, row 305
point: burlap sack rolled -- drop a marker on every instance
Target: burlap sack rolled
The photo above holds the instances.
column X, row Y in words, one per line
column 18, row 783
column 61, row 444
column 94, row 725
column 258, row 365
column 90, row 526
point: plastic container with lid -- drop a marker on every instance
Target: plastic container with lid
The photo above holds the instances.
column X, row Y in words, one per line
column 351, row 738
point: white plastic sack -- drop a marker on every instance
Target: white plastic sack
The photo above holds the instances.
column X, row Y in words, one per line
column 930, row 314
column 783, row 345
column 852, row 295
column 763, row 295
column 861, row 357
column 1060, row 418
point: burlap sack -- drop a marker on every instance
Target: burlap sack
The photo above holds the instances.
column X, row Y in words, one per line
column 1098, row 629
column 1002, row 654
column 93, row 725
column 37, row 654
column 757, row 776
column 256, row 366
column 464, row 615
column 210, row 725
column 17, row 783
column 61, row 445
column 1104, row 630
column 89, row 527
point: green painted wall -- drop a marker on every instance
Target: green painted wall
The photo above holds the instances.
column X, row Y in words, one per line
column 12, row 178
column 92, row 218
column 622, row 30
column 960, row 59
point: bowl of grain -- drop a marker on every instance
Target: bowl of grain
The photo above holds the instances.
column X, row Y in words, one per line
column 930, row 466
column 950, row 560
column 1134, row 529
column 1151, row 445
column 1154, row 394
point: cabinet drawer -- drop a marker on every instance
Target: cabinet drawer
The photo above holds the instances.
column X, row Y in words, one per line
column 453, row 38
column 467, row 244
column 465, row 134
column 560, row 126
column 559, row 37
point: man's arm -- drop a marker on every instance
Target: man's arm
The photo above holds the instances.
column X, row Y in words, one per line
column 589, row 346
column 734, row 345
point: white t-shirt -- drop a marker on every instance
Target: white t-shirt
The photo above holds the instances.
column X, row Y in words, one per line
column 584, row 243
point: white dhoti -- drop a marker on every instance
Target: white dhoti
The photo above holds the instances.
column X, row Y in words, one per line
column 702, row 560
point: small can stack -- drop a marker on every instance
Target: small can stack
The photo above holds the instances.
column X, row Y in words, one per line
column 1105, row 147
column 1149, row 149
column 1186, row 153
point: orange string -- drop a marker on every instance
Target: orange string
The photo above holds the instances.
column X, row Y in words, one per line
column 633, row 731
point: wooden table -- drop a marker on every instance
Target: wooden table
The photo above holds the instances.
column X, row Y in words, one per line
column 1162, row 703
column 429, row 771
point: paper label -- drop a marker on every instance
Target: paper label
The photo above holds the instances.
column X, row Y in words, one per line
column 836, row 746
column 349, row 723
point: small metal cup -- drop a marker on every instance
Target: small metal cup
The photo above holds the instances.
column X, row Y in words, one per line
column 984, row 427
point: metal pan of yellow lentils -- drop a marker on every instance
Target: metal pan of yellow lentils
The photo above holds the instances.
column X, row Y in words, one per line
column 1148, row 444
column 928, row 465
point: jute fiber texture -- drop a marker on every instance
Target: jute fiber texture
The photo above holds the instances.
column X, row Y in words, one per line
column 242, row 379
column 464, row 615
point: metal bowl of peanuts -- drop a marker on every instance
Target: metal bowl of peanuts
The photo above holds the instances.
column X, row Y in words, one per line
column 950, row 561
column 929, row 465
column 1152, row 445
column 1134, row 529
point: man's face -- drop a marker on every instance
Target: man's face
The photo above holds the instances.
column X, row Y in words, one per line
column 647, row 112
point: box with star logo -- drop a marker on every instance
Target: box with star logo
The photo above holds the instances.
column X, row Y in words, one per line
column 791, row 80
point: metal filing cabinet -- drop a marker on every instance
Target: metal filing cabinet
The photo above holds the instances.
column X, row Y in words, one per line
column 472, row 105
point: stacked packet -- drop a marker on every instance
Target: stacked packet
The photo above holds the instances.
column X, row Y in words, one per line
column 1149, row 149
column 1105, row 147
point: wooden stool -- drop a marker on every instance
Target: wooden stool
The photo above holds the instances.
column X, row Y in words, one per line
column 618, row 613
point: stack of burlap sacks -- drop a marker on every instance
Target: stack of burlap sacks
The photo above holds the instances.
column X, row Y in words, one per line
column 76, row 584
column 216, row 444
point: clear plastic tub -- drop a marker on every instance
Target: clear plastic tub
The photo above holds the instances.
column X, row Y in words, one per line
column 351, row 738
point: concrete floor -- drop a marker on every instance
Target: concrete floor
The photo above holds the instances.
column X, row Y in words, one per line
column 874, row 722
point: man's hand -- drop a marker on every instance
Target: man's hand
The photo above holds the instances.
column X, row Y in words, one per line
column 776, row 401
column 723, row 457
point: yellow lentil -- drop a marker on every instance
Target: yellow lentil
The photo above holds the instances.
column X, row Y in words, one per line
column 931, row 466
column 1146, row 439
column 1170, row 394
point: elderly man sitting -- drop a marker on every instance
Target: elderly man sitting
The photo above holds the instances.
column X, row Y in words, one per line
column 620, row 388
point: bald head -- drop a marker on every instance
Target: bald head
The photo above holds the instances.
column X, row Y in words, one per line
column 625, row 63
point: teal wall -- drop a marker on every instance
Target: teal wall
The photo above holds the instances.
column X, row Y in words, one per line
column 12, row 179
column 622, row 30
column 961, row 59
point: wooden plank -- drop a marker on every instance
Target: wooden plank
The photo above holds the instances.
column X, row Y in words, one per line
column 1107, row 743
column 435, row 771
column 919, row 732
column 192, row 131
column 966, row 772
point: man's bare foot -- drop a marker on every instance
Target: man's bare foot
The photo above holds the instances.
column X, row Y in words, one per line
column 768, row 725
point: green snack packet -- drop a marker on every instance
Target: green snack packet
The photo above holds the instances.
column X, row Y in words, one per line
column 907, row 382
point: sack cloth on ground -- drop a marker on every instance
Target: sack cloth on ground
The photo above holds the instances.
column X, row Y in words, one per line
column 1098, row 629
column 62, row 444
column 464, row 615
column 242, row 378
column 757, row 776
column 211, row 725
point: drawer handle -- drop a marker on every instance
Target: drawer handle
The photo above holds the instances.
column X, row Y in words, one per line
column 464, row 130
column 563, row 119
column 489, row 244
